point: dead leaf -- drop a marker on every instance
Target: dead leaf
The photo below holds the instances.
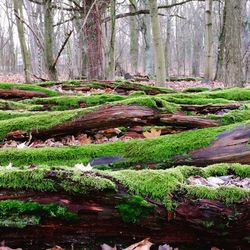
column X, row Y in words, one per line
column 107, row 247
column 152, row 133
column 142, row 245
column 84, row 139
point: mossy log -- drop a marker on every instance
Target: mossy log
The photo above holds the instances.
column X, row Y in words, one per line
column 230, row 146
column 111, row 116
column 210, row 108
column 103, row 206
column 24, row 91
column 20, row 94
column 121, row 87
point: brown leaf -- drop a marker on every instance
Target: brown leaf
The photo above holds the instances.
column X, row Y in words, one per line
column 152, row 133
column 142, row 245
column 84, row 139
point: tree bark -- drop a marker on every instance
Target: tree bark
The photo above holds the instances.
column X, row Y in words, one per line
column 134, row 38
column 93, row 35
column 49, row 38
column 160, row 67
column 18, row 5
column 111, row 62
column 208, row 68
column 230, row 60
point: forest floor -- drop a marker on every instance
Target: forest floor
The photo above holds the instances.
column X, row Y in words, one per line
column 178, row 85
column 85, row 163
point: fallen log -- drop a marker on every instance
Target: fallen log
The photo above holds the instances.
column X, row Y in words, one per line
column 187, row 121
column 111, row 116
column 195, row 147
column 21, row 94
column 73, row 208
column 230, row 146
column 121, row 87
column 210, row 109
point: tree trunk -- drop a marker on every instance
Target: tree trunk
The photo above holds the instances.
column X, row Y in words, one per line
column 208, row 68
column 160, row 66
column 148, row 45
column 93, row 35
column 111, row 63
column 134, row 38
column 49, row 38
column 18, row 9
column 230, row 60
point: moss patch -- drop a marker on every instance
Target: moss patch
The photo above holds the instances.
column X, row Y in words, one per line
column 73, row 102
column 19, row 214
column 38, row 120
column 43, row 179
column 134, row 208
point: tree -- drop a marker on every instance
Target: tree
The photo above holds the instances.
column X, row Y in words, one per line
column 18, row 9
column 134, row 37
column 208, row 67
column 94, row 40
column 160, row 68
column 229, row 69
column 49, row 40
column 111, row 63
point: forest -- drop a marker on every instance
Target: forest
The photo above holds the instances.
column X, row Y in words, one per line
column 124, row 124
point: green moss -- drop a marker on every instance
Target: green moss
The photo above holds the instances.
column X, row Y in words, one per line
column 158, row 150
column 228, row 194
column 194, row 100
column 207, row 224
column 28, row 87
column 153, row 102
column 38, row 121
column 43, row 179
column 195, row 90
column 137, row 93
column 73, row 102
column 19, row 214
column 11, row 105
column 157, row 185
column 161, row 149
column 233, row 116
column 236, row 94
column 160, row 185
column 6, row 115
column 133, row 208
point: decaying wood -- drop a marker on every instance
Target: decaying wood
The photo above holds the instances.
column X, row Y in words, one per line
column 100, row 220
column 230, row 146
column 111, row 116
column 18, row 93
column 188, row 121
column 211, row 108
